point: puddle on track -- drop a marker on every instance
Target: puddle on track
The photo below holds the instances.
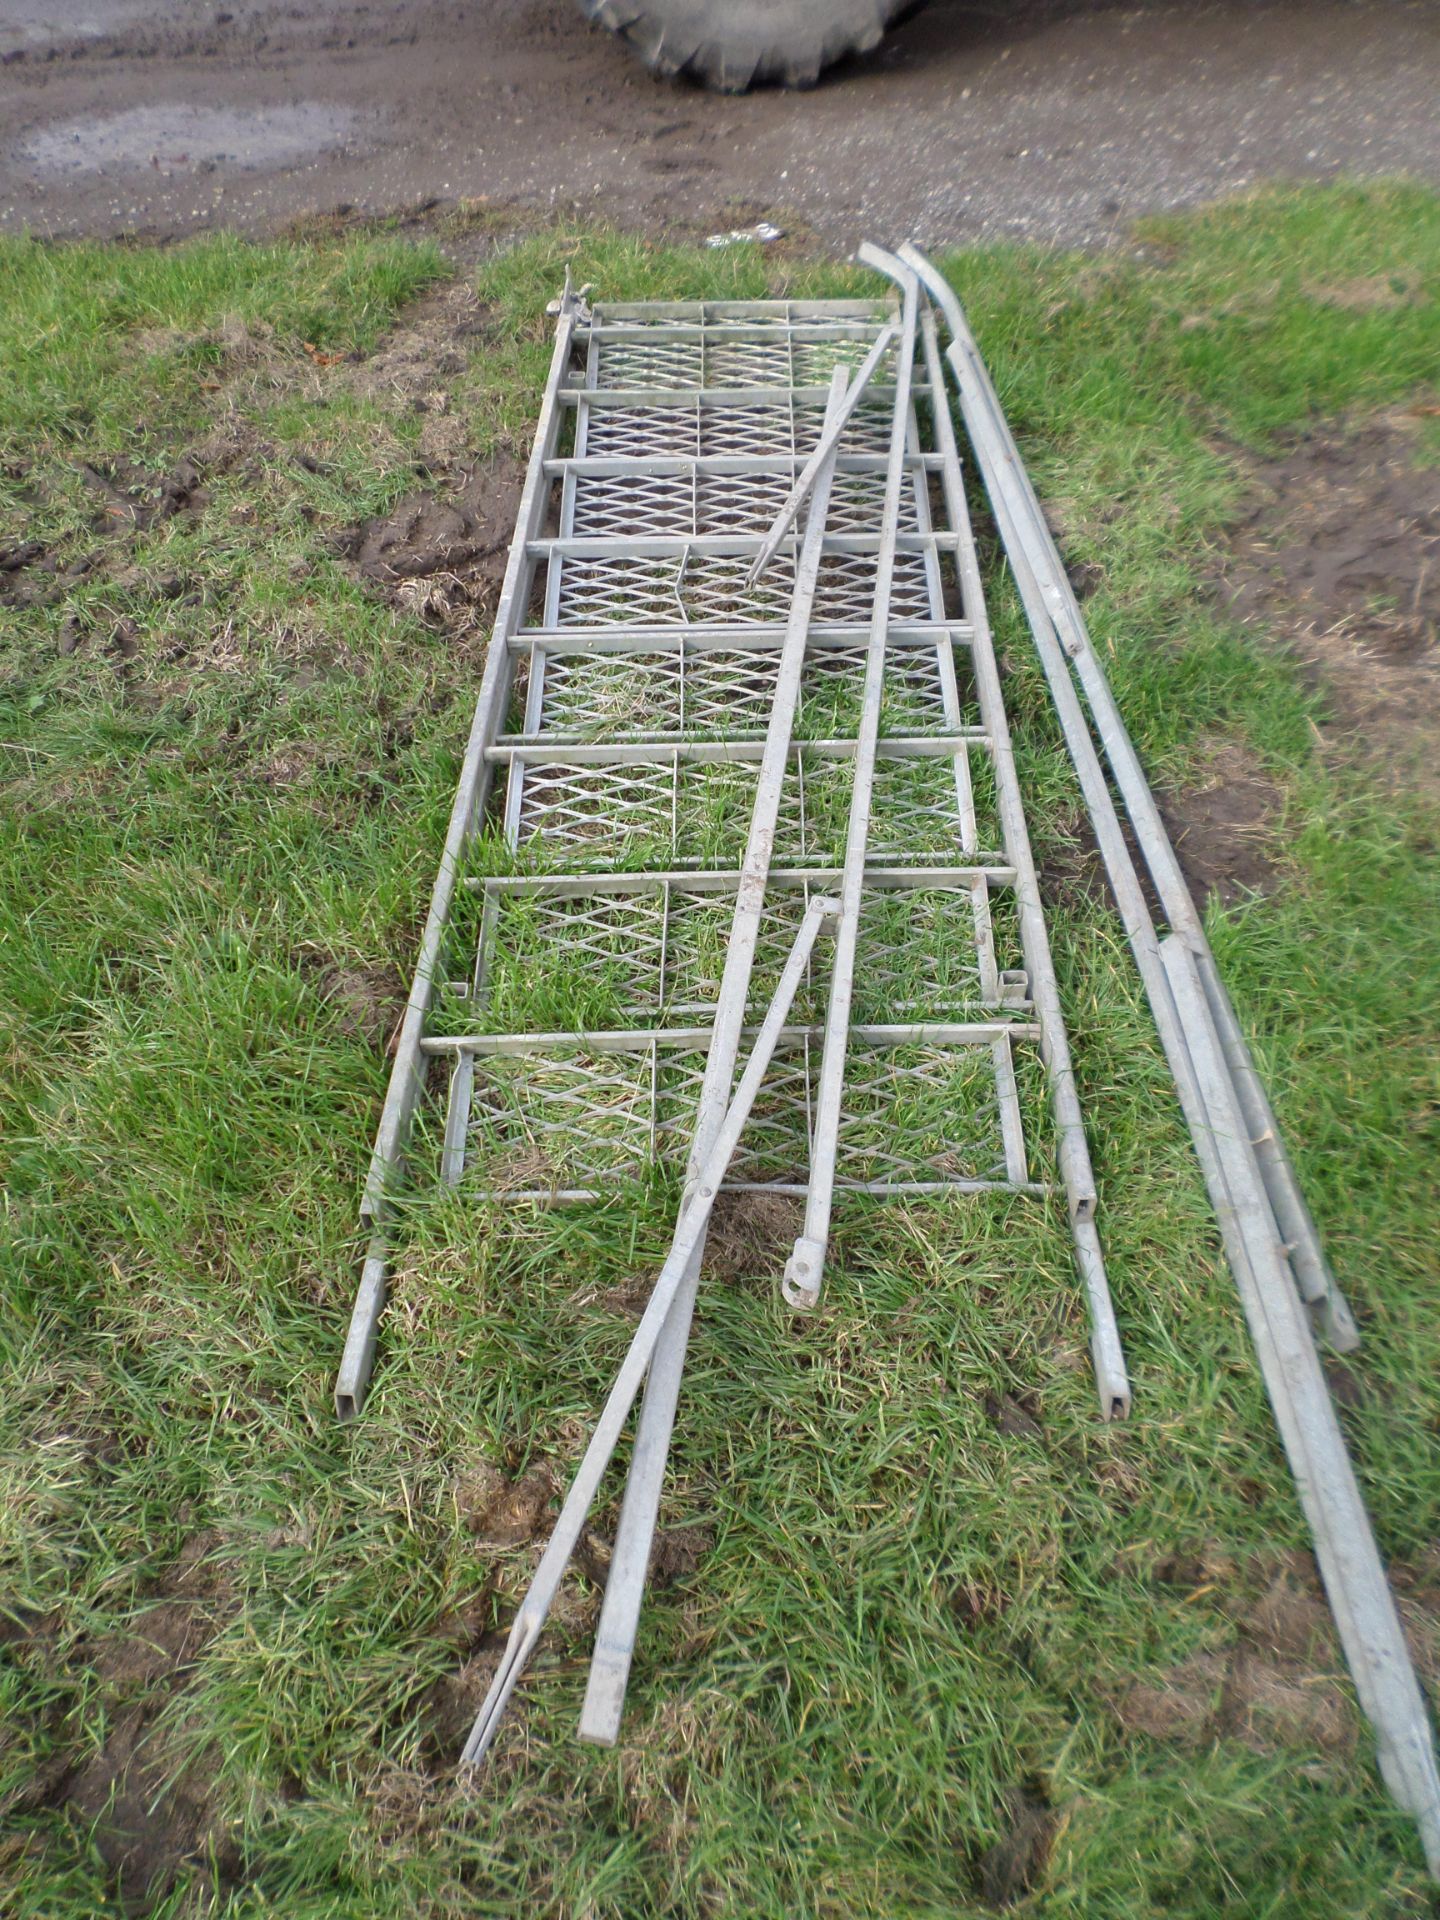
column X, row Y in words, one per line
column 33, row 25
column 174, row 136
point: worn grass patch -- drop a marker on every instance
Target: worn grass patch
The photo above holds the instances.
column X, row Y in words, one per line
column 926, row 1639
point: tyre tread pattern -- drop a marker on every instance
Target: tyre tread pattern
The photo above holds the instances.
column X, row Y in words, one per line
column 731, row 47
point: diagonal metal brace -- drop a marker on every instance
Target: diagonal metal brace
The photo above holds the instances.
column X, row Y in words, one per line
column 824, row 453
column 690, row 1229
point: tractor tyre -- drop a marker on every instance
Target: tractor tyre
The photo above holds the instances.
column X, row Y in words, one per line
column 732, row 44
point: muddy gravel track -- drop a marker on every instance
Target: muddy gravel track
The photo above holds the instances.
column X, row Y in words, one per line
column 1055, row 120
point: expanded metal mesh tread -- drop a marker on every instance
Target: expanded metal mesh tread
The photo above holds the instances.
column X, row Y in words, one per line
column 717, row 691
column 708, row 589
column 733, row 426
column 627, row 650
column 680, row 812
column 655, row 951
column 563, row 1120
column 700, row 502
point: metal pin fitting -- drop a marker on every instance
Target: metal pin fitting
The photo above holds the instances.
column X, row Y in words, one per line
column 801, row 1283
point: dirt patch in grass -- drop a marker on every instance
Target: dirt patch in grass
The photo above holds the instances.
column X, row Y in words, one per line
column 441, row 551
column 450, row 1705
column 128, row 500
column 1224, row 826
column 147, row 1794
column 447, row 1711
column 423, row 350
column 678, row 1552
column 1070, row 869
column 1277, row 1686
column 976, row 1603
column 146, row 612
column 440, row 554
column 129, row 495
column 1337, row 557
column 751, row 1235
column 1263, row 1702
column 1015, row 1864
column 511, row 1513
column 453, row 1702
column 629, row 1299
column 369, row 1000
column 1417, row 1594
column 1009, row 1414
column 463, row 531
column 1279, row 1683
column 505, row 1516
column 1370, row 292
column 22, row 1627
column 502, row 1512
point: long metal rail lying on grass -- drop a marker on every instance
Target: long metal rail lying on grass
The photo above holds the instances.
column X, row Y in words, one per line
column 1270, row 1240
column 630, row 1556
column 805, row 1268
column 408, row 1073
column 608, row 844
column 1349, row 1560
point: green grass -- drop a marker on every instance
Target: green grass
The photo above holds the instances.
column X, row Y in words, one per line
column 904, row 1616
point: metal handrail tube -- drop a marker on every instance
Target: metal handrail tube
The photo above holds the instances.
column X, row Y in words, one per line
column 1006, row 478
column 1350, row 1564
column 630, row 1557
column 804, row 1270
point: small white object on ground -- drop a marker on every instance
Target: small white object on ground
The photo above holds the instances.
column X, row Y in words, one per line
column 762, row 232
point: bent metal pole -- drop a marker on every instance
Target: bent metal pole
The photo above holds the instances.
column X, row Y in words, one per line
column 689, row 1231
column 1015, row 501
